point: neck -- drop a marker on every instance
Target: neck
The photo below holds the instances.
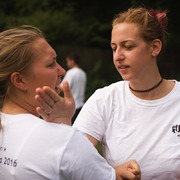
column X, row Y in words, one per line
column 13, row 107
column 147, row 90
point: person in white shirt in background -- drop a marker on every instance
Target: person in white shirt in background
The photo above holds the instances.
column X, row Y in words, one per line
column 77, row 80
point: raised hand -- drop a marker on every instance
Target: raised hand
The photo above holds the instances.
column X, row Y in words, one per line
column 54, row 108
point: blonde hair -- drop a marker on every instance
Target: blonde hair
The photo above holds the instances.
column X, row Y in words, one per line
column 16, row 54
column 152, row 23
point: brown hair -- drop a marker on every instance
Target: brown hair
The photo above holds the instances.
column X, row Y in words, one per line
column 16, row 54
column 152, row 23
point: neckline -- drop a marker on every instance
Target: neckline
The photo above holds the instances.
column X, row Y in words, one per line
column 147, row 90
column 153, row 102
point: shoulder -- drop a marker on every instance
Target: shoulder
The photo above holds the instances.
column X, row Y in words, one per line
column 54, row 130
column 57, row 128
column 111, row 89
column 74, row 70
column 70, row 71
column 177, row 82
column 104, row 97
column 176, row 87
column 78, row 70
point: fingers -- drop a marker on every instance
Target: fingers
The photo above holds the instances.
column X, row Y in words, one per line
column 43, row 99
column 66, row 90
column 129, row 170
column 133, row 167
column 46, row 99
column 54, row 108
column 50, row 95
column 124, row 173
column 42, row 113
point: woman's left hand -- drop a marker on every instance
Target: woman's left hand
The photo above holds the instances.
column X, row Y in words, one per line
column 54, row 108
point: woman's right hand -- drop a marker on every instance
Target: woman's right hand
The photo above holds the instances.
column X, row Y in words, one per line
column 54, row 108
column 128, row 171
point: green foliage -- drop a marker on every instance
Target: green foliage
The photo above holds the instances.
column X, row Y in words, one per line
column 102, row 74
column 95, row 79
column 75, row 22
column 87, row 24
column 58, row 19
column 100, row 149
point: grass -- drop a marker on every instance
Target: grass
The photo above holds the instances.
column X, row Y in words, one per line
column 100, row 149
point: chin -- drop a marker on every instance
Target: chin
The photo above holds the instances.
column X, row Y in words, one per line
column 125, row 78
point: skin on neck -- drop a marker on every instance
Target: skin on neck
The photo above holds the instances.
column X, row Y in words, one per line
column 149, row 79
column 161, row 91
column 17, row 103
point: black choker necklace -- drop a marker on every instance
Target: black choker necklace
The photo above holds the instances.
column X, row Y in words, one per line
column 147, row 90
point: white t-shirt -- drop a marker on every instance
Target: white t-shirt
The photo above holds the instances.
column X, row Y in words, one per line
column 32, row 149
column 77, row 78
column 131, row 128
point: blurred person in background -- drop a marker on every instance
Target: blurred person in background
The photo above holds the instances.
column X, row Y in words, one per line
column 77, row 79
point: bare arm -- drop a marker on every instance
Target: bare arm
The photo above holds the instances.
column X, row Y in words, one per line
column 93, row 140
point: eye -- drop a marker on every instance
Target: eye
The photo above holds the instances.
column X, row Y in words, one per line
column 113, row 49
column 128, row 45
column 52, row 64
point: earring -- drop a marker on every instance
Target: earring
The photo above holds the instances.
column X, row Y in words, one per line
column 155, row 54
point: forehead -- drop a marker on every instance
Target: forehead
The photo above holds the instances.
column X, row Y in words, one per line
column 125, row 31
column 41, row 46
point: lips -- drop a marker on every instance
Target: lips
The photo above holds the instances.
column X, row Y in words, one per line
column 58, row 89
column 123, row 69
column 123, row 66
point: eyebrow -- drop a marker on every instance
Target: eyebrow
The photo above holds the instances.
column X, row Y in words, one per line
column 55, row 57
column 123, row 42
column 112, row 44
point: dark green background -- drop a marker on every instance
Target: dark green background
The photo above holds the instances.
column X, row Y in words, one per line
column 85, row 27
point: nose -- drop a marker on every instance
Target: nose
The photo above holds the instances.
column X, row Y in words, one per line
column 61, row 71
column 118, row 55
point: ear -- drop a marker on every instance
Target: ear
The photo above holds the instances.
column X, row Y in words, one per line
column 156, row 47
column 18, row 81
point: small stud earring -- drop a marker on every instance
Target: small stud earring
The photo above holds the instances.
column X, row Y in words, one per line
column 155, row 54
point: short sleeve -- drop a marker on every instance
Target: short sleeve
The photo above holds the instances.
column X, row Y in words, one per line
column 81, row 161
column 91, row 117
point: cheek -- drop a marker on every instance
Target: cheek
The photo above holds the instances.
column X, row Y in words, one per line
column 114, row 62
column 47, row 78
column 140, row 55
column 50, row 79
